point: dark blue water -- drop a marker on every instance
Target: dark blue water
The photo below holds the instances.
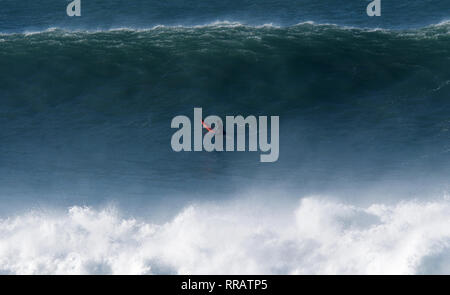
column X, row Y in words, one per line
column 19, row 16
column 86, row 110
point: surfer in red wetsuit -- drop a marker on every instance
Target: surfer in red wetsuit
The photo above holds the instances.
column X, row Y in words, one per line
column 219, row 130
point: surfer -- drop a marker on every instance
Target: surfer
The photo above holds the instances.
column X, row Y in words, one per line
column 219, row 129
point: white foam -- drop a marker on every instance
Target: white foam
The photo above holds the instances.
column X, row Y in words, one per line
column 441, row 24
column 31, row 33
column 318, row 236
column 218, row 24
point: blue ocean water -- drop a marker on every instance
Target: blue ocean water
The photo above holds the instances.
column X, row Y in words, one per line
column 36, row 16
column 86, row 103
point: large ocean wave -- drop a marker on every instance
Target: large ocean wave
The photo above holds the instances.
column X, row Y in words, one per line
column 88, row 113
column 86, row 118
column 85, row 111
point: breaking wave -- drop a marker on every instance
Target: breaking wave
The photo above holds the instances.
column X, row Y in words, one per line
column 319, row 236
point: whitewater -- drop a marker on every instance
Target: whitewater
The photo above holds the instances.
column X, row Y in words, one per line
column 319, row 235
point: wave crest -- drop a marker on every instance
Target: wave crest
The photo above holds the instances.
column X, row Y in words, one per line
column 441, row 28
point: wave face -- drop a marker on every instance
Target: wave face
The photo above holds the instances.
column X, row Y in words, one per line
column 319, row 236
column 85, row 113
